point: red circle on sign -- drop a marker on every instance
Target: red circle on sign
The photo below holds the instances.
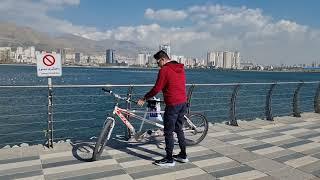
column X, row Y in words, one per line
column 48, row 60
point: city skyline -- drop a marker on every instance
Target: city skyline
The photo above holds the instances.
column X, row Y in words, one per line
column 266, row 32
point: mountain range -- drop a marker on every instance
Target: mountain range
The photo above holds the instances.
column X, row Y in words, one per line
column 12, row 35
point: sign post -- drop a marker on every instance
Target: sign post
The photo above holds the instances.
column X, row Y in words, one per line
column 49, row 65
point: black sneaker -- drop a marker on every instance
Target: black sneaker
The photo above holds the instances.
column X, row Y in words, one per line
column 180, row 158
column 165, row 162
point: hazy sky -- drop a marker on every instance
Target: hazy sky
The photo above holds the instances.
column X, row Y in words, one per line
column 265, row 31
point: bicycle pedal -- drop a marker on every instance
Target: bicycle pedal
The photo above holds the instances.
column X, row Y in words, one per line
column 139, row 136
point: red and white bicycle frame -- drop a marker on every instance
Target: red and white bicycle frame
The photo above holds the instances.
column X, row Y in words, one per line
column 122, row 112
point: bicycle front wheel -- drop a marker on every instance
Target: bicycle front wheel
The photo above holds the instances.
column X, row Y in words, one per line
column 102, row 140
column 195, row 128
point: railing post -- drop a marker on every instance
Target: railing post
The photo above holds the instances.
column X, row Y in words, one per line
column 50, row 115
column 317, row 100
column 296, row 101
column 189, row 97
column 269, row 115
column 233, row 120
column 127, row 134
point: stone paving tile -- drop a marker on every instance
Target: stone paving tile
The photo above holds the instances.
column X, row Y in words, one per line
column 284, row 129
column 86, row 175
column 242, row 141
column 21, row 159
column 252, row 132
column 22, row 174
column 262, row 146
column 245, row 156
column 316, row 173
column 212, row 162
column 301, row 161
column 205, row 157
column 316, row 155
column 286, row 141
column 305, row 147
column 248, row 175
column 296, row 131
column 200, row 177
column 267, row 178
column 274, row 140
column 294, row 144
column 315, row 139
column 289, row 157
column 231, row 171
column 279, row 154
column 229, row 137
column 303, row 124
column 290, row 174
column 268, row 135
column 201, row 153
column 315, row 166
column 317, row 126
column 141, row 168
column 209, row 142
column 266, row 165
column 222, row 166
column 161, row 171
column 229, row 149
column 307, row 135
column 250, row 144
column 311, row 151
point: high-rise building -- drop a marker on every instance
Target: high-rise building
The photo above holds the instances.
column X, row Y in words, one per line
column 140, row 59
column 227, row 59
column 77, row 57
column 219, row 59
column 211, row 59
column 236, row 60
column 166, row 48
column 110, row 56
column 5, row 54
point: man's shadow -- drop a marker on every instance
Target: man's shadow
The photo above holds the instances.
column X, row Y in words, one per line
column 83, row 150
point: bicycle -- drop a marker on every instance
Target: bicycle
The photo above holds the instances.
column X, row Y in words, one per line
column 195, row 124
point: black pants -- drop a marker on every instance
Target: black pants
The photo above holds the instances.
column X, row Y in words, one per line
column 173, row 122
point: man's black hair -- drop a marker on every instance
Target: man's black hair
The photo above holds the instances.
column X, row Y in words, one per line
column 161, row 54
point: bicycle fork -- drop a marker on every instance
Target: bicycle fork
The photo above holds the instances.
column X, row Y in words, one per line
column 112, row 126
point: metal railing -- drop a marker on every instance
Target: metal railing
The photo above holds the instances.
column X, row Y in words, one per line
column 50, row 114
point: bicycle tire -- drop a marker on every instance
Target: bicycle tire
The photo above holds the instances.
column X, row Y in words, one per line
column 192, row 117
column 102, row 140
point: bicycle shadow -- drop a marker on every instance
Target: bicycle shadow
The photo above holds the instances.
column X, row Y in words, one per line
column 130, row 147
column 82, row 151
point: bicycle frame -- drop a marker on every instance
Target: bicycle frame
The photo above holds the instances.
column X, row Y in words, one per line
column 132, row 113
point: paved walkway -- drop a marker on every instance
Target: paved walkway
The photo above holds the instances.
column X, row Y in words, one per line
column 288, row 148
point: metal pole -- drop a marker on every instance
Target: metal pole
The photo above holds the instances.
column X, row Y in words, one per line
column 189, row 97
column 269, row 115
column 296, row 101
column 50, row 115
column 233, row 120
column 317, row 100
column 127, row 131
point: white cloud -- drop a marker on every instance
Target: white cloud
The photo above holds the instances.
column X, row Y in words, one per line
column 62, row 2
column 165, row 15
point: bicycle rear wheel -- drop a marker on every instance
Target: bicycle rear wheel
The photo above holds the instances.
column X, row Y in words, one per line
column 102, row 140
column 195, row 128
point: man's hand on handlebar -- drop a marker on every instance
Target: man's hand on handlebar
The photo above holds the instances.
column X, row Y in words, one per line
column 141, row 102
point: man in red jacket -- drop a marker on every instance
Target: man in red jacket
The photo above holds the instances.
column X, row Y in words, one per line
column 172, row 82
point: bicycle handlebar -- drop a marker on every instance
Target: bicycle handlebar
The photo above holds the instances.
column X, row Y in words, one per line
column 125, row 98
column 118, row 96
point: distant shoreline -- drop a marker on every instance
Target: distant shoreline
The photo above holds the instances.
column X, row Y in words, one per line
column 152, row 68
